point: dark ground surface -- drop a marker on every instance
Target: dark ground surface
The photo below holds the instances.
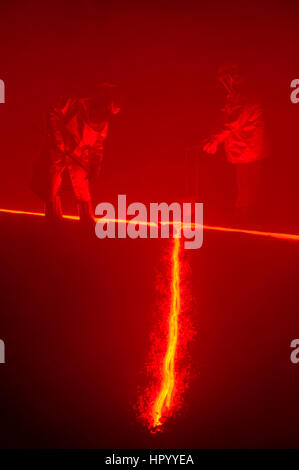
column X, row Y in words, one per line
column 76, row 315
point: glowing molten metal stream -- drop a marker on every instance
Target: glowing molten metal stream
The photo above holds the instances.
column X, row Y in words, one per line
column 163, row 401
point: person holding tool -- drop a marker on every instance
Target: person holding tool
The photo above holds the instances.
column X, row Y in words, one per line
column 77, row 129
column 243, row 137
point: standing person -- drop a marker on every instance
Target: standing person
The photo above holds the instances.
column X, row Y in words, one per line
column 243, row 136
column 77, row 130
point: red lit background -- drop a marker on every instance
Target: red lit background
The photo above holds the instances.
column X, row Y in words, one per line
column 164, row 56
column 74, row 341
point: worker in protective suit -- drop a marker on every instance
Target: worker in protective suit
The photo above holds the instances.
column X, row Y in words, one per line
column 77, row 130
column 243, row 136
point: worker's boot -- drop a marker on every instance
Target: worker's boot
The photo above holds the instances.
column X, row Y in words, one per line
column 86, row 215
column 53, row 211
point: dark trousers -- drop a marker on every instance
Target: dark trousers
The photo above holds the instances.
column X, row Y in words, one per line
column 248, row 176
column 80, row 184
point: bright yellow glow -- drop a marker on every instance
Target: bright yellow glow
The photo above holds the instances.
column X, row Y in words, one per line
column 259, row 233
column 163, row 400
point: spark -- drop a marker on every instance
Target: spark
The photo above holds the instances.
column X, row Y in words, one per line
column 163, row 401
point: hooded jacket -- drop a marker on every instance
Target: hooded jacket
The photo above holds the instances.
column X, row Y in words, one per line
column 243, row 134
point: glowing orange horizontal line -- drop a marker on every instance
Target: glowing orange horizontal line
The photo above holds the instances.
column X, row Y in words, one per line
column 277, row 235
column 282, row 236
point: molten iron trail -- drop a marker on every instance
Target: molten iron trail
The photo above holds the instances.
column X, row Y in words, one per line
column 162, row 404
column 258, row 233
